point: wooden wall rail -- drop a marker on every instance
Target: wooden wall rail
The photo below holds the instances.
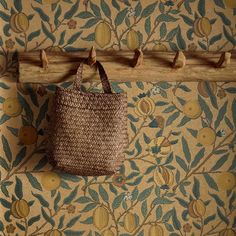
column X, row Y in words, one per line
column 36, row 67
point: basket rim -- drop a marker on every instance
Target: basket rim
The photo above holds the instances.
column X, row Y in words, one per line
column 69, row 90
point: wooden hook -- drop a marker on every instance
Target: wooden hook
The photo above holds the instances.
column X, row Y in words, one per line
column 92, row 56
column 179, row 60
column 44, row 60
column 138, row 58
column 224, row 60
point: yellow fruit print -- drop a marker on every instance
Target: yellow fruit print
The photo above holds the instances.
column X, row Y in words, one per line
column 19, row 22
column 54, row 49
column 159, row 146
column 132, row 39
column 227, row 232
column 102, row 34
column 107, row 232
column 192, row 109
column 20, row 209
column 155, row 230
column 205, row 26
column 230, row 3
column 160, row 47
column 12, row 107
column 206, row 136
column 195, row 28
column 100, row 217
column 145, row 106
column 130, row 223
column 202, row 88
column 202, row 27
column 53, row 232
column 226, row 181
column 28, row 135
column 163, row 177
column 197, row 208
column 50, row 181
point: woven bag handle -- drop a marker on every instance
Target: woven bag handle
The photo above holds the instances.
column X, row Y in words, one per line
column 103, row 77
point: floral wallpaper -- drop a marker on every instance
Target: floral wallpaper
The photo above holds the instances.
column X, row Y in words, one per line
column 178, row 177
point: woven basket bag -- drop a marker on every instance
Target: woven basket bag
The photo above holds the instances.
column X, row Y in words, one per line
column 88, row 131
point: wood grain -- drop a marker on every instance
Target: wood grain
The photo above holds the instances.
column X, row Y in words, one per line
column 157, row 66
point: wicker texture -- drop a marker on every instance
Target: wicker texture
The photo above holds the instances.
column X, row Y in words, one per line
column 88, row 131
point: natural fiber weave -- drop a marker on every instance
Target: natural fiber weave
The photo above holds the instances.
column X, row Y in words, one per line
column 88, row 131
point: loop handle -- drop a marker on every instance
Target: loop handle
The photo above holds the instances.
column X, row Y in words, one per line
column 103, row 77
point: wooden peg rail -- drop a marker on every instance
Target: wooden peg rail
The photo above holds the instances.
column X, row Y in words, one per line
column 51, row 67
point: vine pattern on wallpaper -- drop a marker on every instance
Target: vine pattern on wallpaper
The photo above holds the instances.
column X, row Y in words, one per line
column 158, row 190
column 65, row 25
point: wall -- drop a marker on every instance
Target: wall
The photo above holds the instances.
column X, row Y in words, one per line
column 182, row 186
column 70, row 25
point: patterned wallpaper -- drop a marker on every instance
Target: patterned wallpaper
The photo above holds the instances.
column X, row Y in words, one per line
column 178, row 178
column 118, row 24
